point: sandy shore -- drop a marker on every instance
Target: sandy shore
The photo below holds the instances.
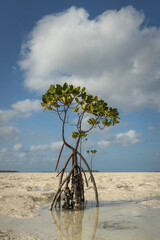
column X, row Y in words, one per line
column 22, row 193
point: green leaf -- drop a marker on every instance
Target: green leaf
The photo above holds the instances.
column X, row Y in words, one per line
column 91, row 121
column 65, row 86
column 76, row 91
column 116, row 121
column 83, row 134
column 75, row 109
column 91, row 108
column 58, row 89
column 55, row 104
column 44, row 98
column 83, row 89
column 44, row 104
column 75, row 135
column 109, row 123
column 71, row 88
column 69, row 99
column 84, row 96
column 96, row 98
column 105, row 122
column 83, row 106
column 93, row 151
column 64, row 99
column 77, row 100
column 89, row 98
column 51, row 89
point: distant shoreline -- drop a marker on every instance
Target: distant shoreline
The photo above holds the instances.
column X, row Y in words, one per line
column 14, row 171
column 3, row 171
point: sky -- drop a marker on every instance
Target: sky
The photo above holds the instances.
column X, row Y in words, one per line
column 110, row 47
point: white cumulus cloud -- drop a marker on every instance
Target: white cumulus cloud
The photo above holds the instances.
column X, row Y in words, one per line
column 151, row 128
column 22, row 109
column 54, row 146
column 6, row 115
column 8, row 133
column 114, row 55
column 27, row 106
column 125, row 139
column 17, row 147
column 3, row 150
column 20, row 155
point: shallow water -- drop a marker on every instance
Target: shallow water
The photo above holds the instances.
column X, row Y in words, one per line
column 42, row 190
column 110, row 221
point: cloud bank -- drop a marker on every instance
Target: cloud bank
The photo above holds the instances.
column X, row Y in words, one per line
column 125, row 139
column 8, row 133
column 18, row 155
column 26, row 107
column 20, row 109
column 54, row 146
column 17, row 147
column 114, row 55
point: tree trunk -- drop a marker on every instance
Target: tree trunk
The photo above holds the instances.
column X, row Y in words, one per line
column 77, row 184
column 70, row 193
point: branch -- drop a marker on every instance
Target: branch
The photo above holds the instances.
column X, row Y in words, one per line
column 80, row 121
column 65, row 165
column 94, row 124
column 101, row 128
column 59, row 156
column 59, row 115
column 69, row 146
column 79, row 128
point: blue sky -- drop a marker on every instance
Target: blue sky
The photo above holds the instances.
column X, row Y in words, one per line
column 110, row 47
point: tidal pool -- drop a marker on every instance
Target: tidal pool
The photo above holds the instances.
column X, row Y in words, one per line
column 110, row 221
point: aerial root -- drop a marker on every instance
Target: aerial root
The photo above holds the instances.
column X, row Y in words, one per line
column 73, row 196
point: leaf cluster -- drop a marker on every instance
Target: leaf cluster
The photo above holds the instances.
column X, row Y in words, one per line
column 58, row 95
column 61, row 98
column 80, row 134
column 91, row 151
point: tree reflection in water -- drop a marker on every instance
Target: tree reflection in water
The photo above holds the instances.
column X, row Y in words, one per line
column 71, row 224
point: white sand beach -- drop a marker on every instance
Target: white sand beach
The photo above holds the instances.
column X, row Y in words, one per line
column 22, row 193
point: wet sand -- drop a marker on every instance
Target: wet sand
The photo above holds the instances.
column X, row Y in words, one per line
column 21, row 194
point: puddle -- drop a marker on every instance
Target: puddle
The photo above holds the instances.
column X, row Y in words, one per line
column 41, row 190
column 110, row 221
